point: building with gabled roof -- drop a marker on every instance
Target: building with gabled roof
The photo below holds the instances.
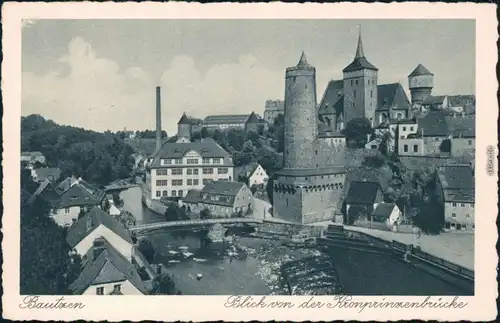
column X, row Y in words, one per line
column 77, row 197
column 99, row 224
column 455, row 190
column 272, row 109
column 187, row 126
column 108, row 272
column 40, row 174
column 251, row 174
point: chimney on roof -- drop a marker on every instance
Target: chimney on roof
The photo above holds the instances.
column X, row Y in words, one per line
column 98, row 247
column 158, row 118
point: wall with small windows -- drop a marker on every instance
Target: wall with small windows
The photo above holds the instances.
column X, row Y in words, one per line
column 65, row 217
column 433, row 144
column 125, row 287
column 411, row 147
column 459, row 215
column 461, row 145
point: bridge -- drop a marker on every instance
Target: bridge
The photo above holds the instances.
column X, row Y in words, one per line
column 191, row 223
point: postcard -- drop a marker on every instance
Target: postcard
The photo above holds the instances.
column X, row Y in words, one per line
column 242, row 162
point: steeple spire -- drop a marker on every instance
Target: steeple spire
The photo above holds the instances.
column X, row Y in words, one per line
column 359, row 50
column 303, row 60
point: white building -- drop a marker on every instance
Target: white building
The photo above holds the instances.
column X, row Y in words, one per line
column 252, row 174
column 180, row 167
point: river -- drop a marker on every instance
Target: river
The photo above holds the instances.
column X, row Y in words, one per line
column 360, row 272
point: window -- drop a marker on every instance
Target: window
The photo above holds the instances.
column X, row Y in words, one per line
column 371, row 94
column 208, row 171
column 189, row 182
column 158, row 194
column 454, row 204
column 411, row 128
column 176, row 171
column 402, row 137
column 217, row 161
column 192, row 161
column 356, row 82
column 196, row 182
column 206, row 161
column 453, row 215
column 168, row 161
column 355, row 91
column 66, row 210
column 436, row 139
column 180, row 193
column 415, row 148
column 404, row 128
column 161, row 182
column 206, row 181
column 470, row 142
column 162, row 172
column 165, row 193
column 286, row 201
column 189, row 171
column 177, row 182
column 467, row 216
column 178, row 161
column 117, row 288
column 192, row 171
column 222, row 170
column 174, row 193
column 462, row 205
column 99, row 291
column 405, row 148
column 352, row 82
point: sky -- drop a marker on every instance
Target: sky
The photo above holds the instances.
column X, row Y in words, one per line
column 102, row 74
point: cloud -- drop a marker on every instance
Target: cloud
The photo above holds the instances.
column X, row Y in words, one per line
column 98, row 94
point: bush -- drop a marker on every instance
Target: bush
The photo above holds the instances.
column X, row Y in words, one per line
column 146, row 248
column 376, row 161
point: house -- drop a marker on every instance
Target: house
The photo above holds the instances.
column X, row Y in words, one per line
column 46, row 191
column 388, row 214
column 252, row 174
column 227, row 121
column 272, row 109
column 463, row 134
column 108, row 272
column 455, row 191
column 413, row 145
column 222, row 198
column 363, row 197
column 255, row 124
column 79, row 196
column 31, row 157
column 435, row 102
column 41, row 174
column 434, row 130
column 179, row 167
column 98, row 224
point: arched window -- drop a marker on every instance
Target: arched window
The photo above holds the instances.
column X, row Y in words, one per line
column 180, row 193
column 174, row 193
column 165, row 193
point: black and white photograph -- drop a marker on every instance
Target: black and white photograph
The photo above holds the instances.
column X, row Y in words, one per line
column 261, row 157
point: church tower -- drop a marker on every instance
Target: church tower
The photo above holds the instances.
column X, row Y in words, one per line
column 301, row 125
column 360, row 87
column 420, row 82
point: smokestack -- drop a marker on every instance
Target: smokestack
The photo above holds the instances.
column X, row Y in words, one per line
column 158, row 118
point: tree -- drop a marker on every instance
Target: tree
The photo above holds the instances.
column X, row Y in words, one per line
column 82, row 213
column 355, row 212
column 205, row 214
column 204, row 133
column 146, row 248
column 106, row 205
column 117, row 200
column 386, row 140
column 356, row 131
column 173, row 212
column 47, row 265
column 376, row 161
column 164, row 285
column 253, row 188
column 430, row 218
column 390, row 195
column 270, row 189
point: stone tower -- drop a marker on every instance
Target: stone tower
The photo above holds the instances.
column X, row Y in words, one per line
column 184, row 127
column 420, row 82
column 360, row 87
column 310, row 185
column 301, row 125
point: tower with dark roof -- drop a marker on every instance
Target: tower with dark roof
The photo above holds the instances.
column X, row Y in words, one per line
column 420, row 82
column 360, row 87
column 184, row 127
column 301, row 126
column 310, row 185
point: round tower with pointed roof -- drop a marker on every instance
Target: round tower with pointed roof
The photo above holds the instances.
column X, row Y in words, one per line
column 420, row 82
column 301, row 126
column 184, row 127
column 360, row 86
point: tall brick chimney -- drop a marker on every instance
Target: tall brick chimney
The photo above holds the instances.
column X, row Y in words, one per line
column 158, row 118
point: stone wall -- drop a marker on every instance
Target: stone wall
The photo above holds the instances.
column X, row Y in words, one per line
column 288, row 229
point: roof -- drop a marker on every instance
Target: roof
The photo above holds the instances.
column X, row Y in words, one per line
column 459, row 195
column 223, row 188
column 360, row 61
column 45, row 173
column 45, row 185
column 81, row 193
column 383, row 210
column 95, row 217
column 362, row 192
column 189, row 120
column 66, row 184
column 433, row 124
column 325, row 132
column 392, row 95
column 242, row 171
column 253, row 118
column 110, row 266
column 462, row 126
column 461, row 100
column 333, row 98
column 275, row 105
column 226, row 119
column 456, row 177
column 302, row 60
column 206, row 148
column 420, row 70
column 434, row 99
column 192, row 196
